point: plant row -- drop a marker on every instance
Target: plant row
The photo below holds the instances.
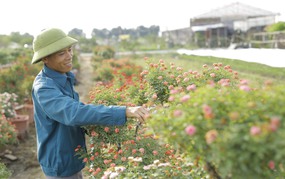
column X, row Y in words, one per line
column 203, row 123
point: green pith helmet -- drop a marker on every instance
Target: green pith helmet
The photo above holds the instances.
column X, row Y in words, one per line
column 50, row 41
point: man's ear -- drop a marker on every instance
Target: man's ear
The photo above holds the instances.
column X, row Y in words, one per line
column 45, row 60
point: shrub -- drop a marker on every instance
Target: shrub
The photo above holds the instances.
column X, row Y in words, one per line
column 4, row 172
column 8, row 134
column 132, row 150
column 129, row 150
column 279, row 26
column 218, row 121
column 104, row 52
column 163, row 79
column 236, row 132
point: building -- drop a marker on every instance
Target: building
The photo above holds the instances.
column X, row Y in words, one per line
column 222, row 27
column 229, row 24
column 177, row 37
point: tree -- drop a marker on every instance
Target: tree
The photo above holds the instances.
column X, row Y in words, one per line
column 77, row 33
column 4, row 41
column 15, row 37
column 279, row 26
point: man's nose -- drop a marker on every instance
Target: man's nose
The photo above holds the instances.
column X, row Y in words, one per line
column 70, row 54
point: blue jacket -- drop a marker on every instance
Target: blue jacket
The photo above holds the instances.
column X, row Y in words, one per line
column 58, row 117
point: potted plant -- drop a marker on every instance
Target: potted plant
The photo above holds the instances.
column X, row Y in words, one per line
column 8, row 103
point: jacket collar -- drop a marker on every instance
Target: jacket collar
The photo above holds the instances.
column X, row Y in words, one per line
column 58, row 77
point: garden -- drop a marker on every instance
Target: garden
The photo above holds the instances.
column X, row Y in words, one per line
column 209, row 117
column 206, row 122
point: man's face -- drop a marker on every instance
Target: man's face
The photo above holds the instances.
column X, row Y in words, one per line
column 60, row 61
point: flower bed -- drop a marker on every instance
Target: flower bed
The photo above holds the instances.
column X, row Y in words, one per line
column 132, row 150
column 209, row 121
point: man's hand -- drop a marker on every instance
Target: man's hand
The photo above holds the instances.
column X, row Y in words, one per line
column 138, row 112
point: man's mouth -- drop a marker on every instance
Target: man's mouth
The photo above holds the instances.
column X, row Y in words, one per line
column 69, row 64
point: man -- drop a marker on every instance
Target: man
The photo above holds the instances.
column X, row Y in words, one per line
column 58, row 112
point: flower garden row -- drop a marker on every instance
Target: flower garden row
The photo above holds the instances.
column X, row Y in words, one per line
column 207, row 123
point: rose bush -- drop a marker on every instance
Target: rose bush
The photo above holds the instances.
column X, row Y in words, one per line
column 129, row 151
column 132, row 150
column 217, row 121
column 161, row 79
column 236, row 132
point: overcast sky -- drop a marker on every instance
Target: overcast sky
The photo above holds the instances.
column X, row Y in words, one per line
column 31, row 16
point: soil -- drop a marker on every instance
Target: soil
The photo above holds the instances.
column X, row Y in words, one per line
column 26, row 165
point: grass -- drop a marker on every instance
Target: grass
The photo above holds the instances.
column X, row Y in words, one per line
column 254, row 72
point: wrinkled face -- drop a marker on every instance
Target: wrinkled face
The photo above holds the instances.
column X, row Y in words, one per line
column 60, row 61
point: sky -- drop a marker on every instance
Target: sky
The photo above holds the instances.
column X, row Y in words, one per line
column 31, row 16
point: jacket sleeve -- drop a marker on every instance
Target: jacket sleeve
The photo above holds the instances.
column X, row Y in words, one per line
column 66, row 110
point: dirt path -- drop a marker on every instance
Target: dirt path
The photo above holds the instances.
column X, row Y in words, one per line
column 26, row 166
column 85, row 77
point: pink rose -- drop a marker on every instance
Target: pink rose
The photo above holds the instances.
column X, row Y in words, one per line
column 275, row 121
column 190, row 130
column 255, row 130
column 271, row 164
column 211, row 136
column 124, row 159
column 134, row 151
column 177, row 113
column 208, row 112
column 171, row 87
column 191, row 87
column 185, row 98
column 186, row 80
column 213, row 75
column 174, row 91
column 154, row 152
column 106, row 129
column 160, row 78
column 171, row 98
column 141, row 150
column 154, row 96
column 244, row 88
column 243, row 82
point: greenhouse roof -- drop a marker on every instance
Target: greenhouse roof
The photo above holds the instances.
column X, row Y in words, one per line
column 236, row 9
